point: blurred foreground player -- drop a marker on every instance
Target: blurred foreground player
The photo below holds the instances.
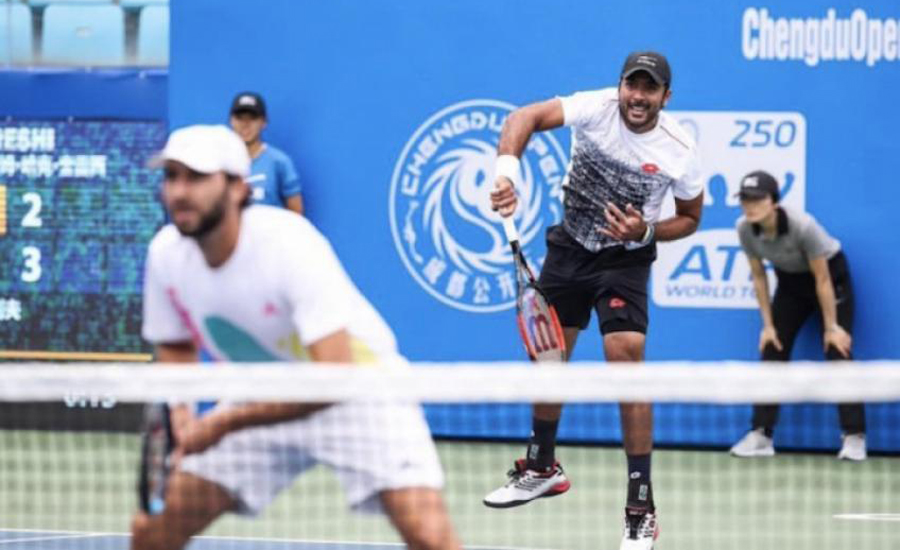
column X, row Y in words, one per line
column 261, row 284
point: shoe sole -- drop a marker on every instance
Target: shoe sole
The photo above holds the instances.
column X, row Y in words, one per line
column 754, row 454
column 851, row 459
column 557, row 489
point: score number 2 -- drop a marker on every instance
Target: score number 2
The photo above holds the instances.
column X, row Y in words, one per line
column 31, row 273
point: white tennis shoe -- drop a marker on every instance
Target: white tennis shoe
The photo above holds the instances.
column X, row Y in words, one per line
column 853, row 447
column 755, row 444
column 641, row 530
column 525, row 485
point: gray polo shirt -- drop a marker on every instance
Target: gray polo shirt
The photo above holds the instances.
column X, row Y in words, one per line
column 799, row 238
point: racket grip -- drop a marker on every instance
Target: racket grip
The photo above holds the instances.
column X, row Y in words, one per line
column 509, row 227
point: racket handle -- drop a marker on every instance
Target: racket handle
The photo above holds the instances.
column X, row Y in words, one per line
column 509, row 227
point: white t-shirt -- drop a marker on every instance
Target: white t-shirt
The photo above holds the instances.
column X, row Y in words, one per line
column 282, row 289
column 610, row 163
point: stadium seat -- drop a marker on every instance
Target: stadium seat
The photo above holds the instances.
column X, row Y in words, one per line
column 45, row 3
column 153, row 36
column 129, row 4
column 83, row 35
column 15, row 33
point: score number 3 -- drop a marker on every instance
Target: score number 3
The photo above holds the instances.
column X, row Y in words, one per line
column 32, row 269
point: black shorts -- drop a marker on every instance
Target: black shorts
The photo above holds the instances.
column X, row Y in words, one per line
column 613, row 282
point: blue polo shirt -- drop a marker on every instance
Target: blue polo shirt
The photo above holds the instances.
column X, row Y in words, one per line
column 273, row 178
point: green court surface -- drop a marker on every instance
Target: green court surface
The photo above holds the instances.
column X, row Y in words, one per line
column 69, row 482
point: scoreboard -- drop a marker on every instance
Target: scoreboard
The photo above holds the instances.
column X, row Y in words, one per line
column 78, row 207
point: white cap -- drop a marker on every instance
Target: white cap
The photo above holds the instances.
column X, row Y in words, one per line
column 206, row 149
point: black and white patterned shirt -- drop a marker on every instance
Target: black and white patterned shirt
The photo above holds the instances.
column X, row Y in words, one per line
column 610, row 163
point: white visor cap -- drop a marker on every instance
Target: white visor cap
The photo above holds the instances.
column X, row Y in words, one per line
column 206, row 149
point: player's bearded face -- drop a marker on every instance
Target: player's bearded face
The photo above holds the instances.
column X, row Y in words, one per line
column 640, row 101
column 196, row 202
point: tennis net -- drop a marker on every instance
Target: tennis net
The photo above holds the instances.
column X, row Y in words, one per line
column 70, row 449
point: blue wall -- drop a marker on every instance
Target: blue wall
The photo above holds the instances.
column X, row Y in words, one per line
column 350, row 83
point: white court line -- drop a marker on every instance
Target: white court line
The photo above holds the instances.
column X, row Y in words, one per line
column 352, row 543
column 868, row 517
column 74, row 534
column 54, row 531
column 55, row 537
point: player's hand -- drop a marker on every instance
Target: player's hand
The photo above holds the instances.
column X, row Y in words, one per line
column 623, row 226
column 503, row 197
column 768, row 336
column 201, row 434
column 839, row 339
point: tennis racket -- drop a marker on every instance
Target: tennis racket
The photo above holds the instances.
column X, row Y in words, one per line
column 157, row 445
column 538, row 324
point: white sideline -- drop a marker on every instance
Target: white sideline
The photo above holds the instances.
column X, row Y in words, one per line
column 76, row 534
column 868, row 517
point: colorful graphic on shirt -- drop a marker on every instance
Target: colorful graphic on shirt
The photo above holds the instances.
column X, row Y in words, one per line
column 234, row 343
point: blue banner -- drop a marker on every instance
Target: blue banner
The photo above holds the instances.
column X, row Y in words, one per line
column 390, row 110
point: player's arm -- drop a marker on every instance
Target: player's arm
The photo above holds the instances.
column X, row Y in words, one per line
column 834, row 336
column 178, row 352
column 209, row 429
column 294, row 203
column 517, row 130
column 767, row 335
column 683, row 223
column 289, row 186
column 629, row 225
column 521, row 123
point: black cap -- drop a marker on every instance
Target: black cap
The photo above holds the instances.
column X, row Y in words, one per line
column 758, row 185
column 249, row 102
column 653, row 63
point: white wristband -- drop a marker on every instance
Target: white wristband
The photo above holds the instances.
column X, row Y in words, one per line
column 508, row 167
column 648, row 234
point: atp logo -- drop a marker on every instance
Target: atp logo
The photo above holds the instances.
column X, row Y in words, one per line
column 445, row 232
column 709, row 269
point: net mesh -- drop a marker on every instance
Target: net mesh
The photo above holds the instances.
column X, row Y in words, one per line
column 70, row 451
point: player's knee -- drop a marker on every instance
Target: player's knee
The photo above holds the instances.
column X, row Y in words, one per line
column 430, row 534
column 622, row 348
column 152, row 533
column 141, row 533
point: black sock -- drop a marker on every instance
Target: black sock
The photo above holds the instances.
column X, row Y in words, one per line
column 542, row 445
column 640, row 492
column 768, row 432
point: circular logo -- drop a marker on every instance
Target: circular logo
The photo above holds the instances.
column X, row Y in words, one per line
column 448, row 237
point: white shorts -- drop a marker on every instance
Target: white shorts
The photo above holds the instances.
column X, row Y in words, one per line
column 371, row 447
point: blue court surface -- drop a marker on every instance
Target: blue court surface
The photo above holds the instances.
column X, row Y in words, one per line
column 72, row 540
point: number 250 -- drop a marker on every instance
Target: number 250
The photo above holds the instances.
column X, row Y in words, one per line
column 763, row 133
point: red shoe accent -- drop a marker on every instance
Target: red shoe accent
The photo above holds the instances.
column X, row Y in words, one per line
column 559, row 488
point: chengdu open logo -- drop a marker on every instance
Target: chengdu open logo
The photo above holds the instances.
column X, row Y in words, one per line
column 448, row 237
